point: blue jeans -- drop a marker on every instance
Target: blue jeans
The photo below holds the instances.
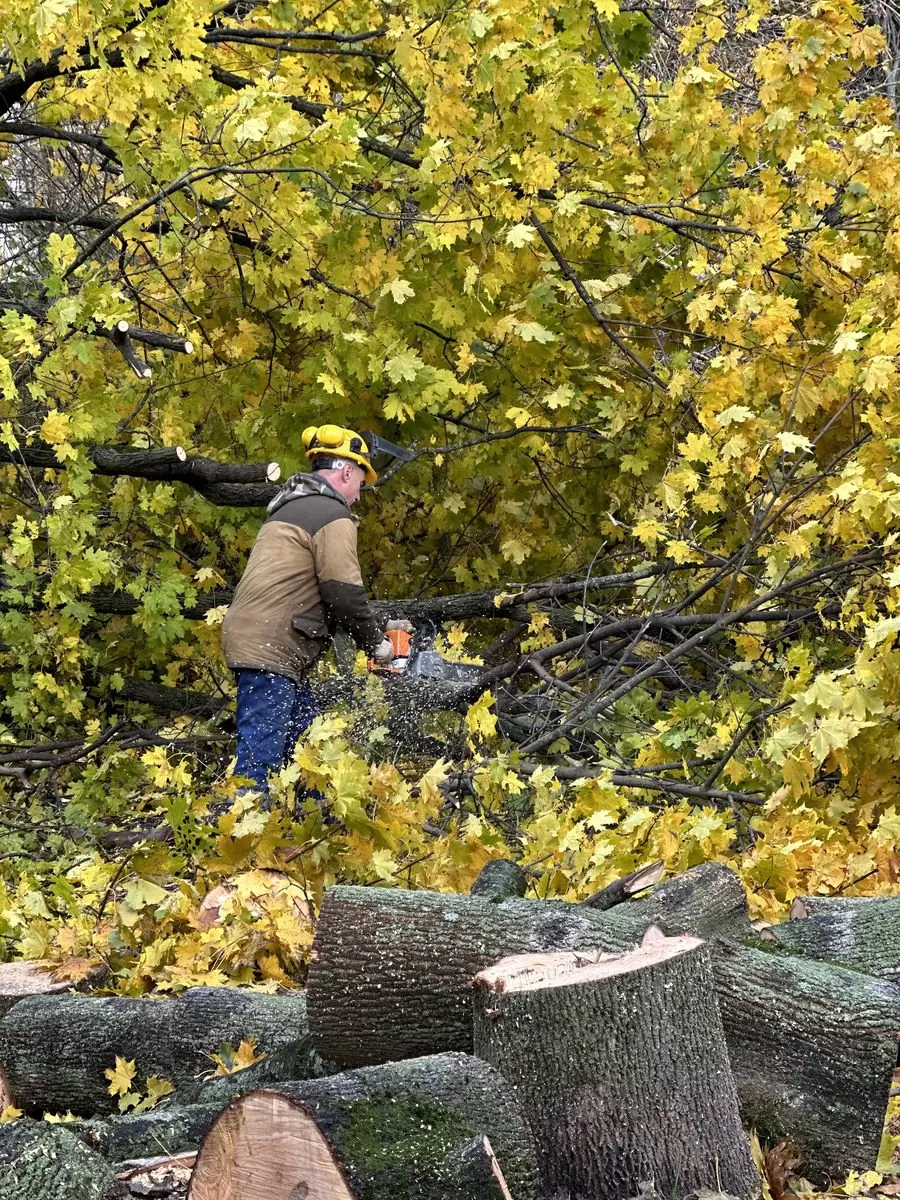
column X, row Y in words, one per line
column 272, row 712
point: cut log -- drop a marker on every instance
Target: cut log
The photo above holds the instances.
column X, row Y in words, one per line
column 391, row 970
column 500, row 880
column 21, row 979
column 708, row 901
column 812, row 1046
column 296, row 1060
column 39, row 1161
column 168, row 1129
column 620, row 1066
column 623, row 889
column 54, row 1050
column 402, row 1131
column 861, row 934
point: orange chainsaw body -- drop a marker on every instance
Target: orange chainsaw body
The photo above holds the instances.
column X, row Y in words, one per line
column 401, row 640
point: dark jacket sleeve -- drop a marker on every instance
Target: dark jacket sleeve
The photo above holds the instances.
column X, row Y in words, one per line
column 341, row 587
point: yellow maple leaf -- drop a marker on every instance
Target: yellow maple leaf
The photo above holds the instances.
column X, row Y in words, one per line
column 120, row 1076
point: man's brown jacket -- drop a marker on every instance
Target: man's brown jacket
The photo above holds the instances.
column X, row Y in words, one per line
column 302, row 582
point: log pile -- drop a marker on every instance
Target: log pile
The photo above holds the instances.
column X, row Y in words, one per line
column 480, row 1047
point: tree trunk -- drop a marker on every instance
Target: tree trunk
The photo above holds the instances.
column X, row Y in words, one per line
column 620, row 1066
column 39, row 1161
column 396, row 1132
column 861, row 934
column 296, row 1060
column 54, row 1049
column 812, row 1049
column 708, row 901
column 500, row 880
column 165, row 1177
column 21, row 979
column 812, row 1046
column 392, row 970
column 167, row 1129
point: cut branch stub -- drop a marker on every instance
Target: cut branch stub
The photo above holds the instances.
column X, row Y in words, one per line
column 426, row 1129
column 620, row 1066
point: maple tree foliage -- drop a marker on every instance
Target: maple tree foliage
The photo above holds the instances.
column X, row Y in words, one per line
column 625, row 279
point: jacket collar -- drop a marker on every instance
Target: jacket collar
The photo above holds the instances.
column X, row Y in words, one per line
column 300, row 485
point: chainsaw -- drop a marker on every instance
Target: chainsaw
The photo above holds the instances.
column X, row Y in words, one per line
column 415, row 656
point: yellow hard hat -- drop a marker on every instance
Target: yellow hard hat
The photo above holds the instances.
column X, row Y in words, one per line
column 337, row 442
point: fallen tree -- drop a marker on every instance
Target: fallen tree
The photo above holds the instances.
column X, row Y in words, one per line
column 812, row 1046
column 862, row 934
column 55, row 1050
column 401, row 1131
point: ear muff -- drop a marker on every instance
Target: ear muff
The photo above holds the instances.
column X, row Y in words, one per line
column 331, row 436
column 307, row 437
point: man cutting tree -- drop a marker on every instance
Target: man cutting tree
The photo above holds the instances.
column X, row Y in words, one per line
column 302, row 581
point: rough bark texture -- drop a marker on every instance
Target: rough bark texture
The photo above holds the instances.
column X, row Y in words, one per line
column 621, row 1070
column 54, row 1049
column 169, row 1129
column 812, row 1048
column 395, row 1132
column 708, row 901
column 862, row 934
column 296, row 1060
column 392, row 970
column 500, row 880
column 39, row 1161
column 472, row 1171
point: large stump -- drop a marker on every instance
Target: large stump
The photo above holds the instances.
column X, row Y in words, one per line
column 620, row 1066
column 54, row 1050
column 39, row 1161
column 392, row 970
column 403, row 1131
column 863, row 934
column 812, row 1045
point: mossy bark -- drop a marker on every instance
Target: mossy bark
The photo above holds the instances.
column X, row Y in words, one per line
column 392, row 970
column 812, row 1046
column 708, row 900
column 168, row 1129
column 40, row 1161
column 397, row 1131
column 296, row 1060
column 54, row 1049
column 861, row 934
column 623, row 1077
column 500, row 880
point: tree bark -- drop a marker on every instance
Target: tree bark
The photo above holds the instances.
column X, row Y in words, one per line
column 39, row 1161
column 812, row 1045
column 54, row 1049
column 813, row 1049
column 391, row 970
column 863, row 934
column 500, row 880
column 296, row 1060
column 620, row 1066
column 167, row 1129
column 708, row 900
column 395, row 1132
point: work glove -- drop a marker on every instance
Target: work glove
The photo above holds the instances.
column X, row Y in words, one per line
column 385, row 652
column 406, row 626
